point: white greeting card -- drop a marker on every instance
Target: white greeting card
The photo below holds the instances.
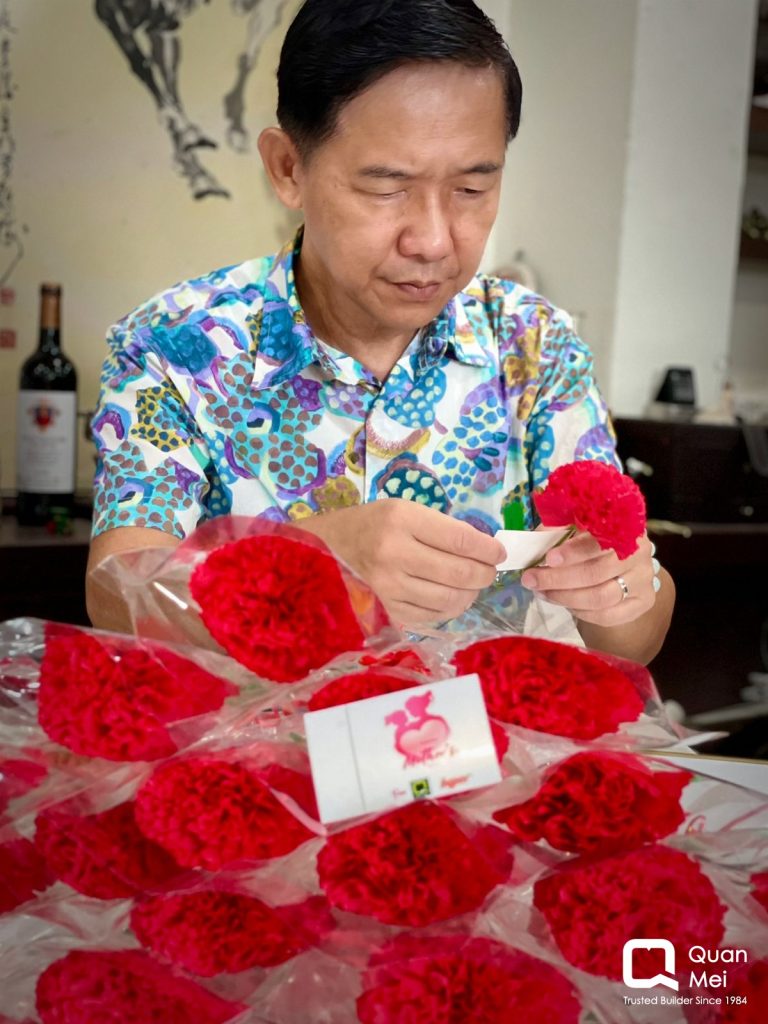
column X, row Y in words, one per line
column 387, row 751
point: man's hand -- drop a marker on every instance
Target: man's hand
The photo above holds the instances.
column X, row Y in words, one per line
column 424, row 566
column 585, row 579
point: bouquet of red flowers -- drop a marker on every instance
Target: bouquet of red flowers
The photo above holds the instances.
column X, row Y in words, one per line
column 162, row 856
column 256, row 590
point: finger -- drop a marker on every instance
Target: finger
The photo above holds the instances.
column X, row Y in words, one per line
column 431, row 565
column 446, row 534
column 411, row 616
column 594, row 598
column 447, row 602
column 574, row 576
column 410, row 613
column 576, row 549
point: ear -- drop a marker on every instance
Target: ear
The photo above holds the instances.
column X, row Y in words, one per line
column 283, row 166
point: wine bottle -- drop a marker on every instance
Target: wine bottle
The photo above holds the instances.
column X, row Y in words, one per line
column 46, row 423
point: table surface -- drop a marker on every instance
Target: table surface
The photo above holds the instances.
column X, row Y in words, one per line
column 14, row 536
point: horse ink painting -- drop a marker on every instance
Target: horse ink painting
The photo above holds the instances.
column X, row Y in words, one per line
column 149, row 34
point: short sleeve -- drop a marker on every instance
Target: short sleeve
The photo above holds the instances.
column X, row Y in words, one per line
column 153, row 468
column 568, row 420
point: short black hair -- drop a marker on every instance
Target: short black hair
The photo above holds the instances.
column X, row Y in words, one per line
column 335, row 49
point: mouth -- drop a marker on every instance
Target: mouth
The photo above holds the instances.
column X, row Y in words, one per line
column 419, row 290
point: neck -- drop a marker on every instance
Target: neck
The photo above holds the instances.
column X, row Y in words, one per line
column 376, row 347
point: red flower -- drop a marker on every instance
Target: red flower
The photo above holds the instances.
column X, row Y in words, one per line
column 212, row 932
column 102, row 855
column 470, row 981
column 23, row 873
column 759, row 884
column 746, row 982
column 359, row 685
column 600, row 802
column 18, row 777
column 128, row 986
column 412, row 866
column 403, row 657
column 598, row 499
column 207, row 812
column 277, row 605
column 107, row 697
column 594, row 907
column 550, row 687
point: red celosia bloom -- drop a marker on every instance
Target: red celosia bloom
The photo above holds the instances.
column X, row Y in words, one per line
column 128, row 986
column 760, row 888
column 212, row 932
column 412, row 866
column 403, row 657
column 359, row 685
column 594, row 906
column 748, row 982
column 107, row 697
column 23, row 873
column 550, row 687
column 17, row 777
column 104, row 855
column 598, row 499
column 208, row 812
column 600, row 802
column 278, row 606
column 471, row 981
column 295, row 784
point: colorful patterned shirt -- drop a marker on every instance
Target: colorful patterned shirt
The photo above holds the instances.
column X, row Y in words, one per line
column 217, row 398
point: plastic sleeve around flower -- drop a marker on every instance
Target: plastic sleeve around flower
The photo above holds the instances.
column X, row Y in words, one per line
column 70, row 693
column 267, row 594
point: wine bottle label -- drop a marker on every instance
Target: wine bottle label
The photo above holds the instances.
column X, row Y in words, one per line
column 46, row 441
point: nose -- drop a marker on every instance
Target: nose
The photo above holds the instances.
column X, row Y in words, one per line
column 427, row 233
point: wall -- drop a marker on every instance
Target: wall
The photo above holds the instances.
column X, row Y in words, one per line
column 624, row 186
column 93, row 181
column 749, row 328
column 682, row 208
column 564, row 187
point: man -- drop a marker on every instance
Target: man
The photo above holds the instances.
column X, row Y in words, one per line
column 366, row 361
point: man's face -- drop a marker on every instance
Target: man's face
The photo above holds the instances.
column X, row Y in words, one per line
column 399, row 202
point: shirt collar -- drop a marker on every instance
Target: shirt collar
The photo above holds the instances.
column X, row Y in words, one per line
column 286, row 344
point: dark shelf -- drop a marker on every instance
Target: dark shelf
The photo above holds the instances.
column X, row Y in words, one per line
column 758, row 120
column 753, row 248
column 757, row 142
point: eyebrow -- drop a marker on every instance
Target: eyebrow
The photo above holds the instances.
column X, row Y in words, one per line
column 382, row 171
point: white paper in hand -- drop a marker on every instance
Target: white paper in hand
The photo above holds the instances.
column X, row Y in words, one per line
column 526, row 547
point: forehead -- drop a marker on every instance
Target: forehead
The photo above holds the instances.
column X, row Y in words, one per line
column 421, row 107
